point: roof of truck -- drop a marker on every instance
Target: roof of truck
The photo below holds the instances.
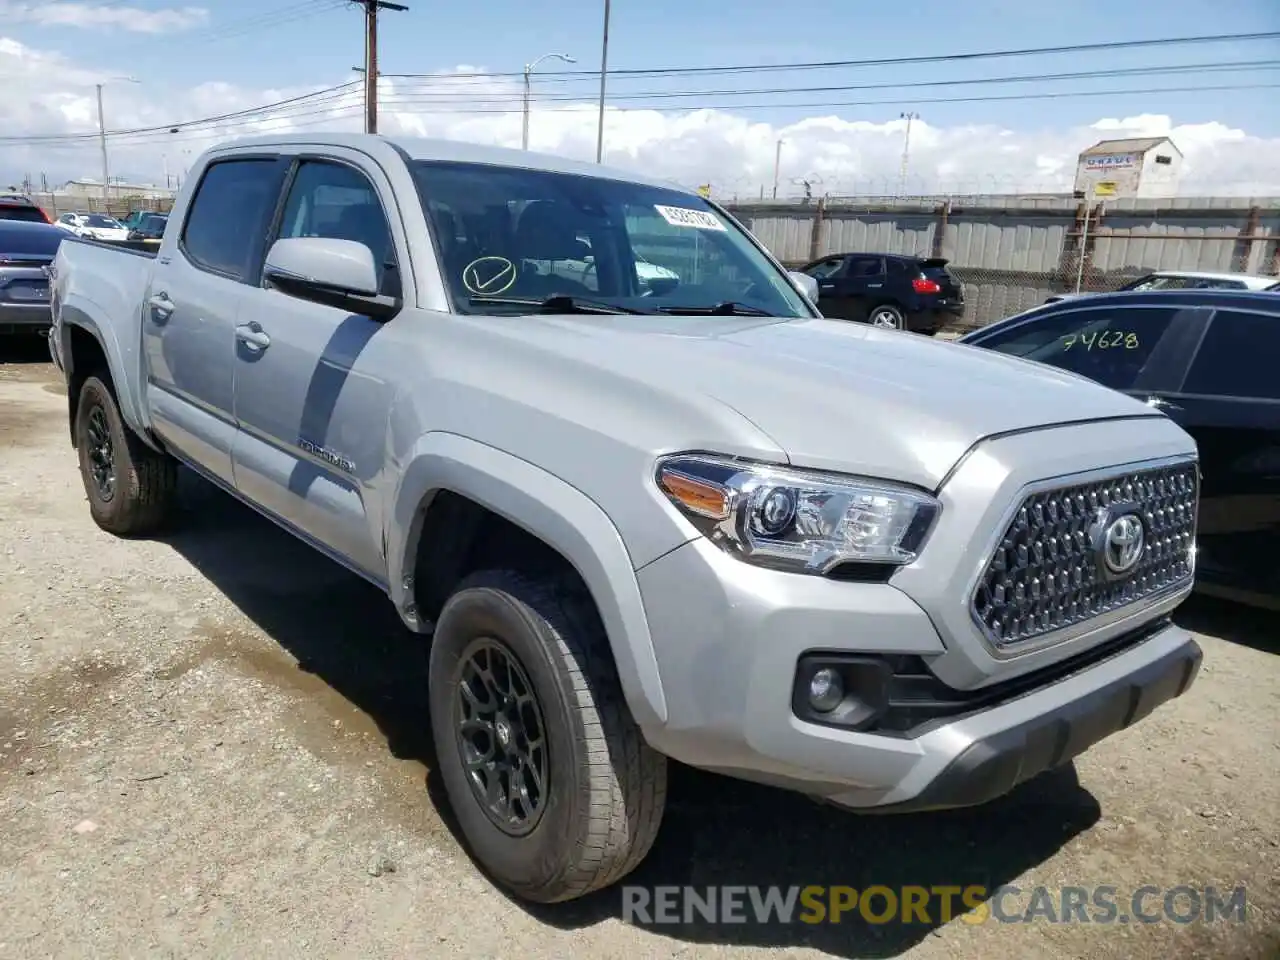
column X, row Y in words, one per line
column 426, row 148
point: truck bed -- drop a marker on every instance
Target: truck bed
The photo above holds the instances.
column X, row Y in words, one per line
column 107, row 281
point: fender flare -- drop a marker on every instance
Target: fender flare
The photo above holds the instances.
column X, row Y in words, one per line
column 71, row 313
column 558, row 514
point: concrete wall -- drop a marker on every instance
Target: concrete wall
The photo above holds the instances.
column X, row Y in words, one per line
column 1011, row 252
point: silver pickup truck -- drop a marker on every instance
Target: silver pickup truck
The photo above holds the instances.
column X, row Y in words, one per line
column 641, row 514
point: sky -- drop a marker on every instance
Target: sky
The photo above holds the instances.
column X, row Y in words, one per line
column 977, row 127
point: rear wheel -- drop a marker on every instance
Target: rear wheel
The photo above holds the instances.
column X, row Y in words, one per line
column 555, row 790
column 131, row 488
column 886, row 316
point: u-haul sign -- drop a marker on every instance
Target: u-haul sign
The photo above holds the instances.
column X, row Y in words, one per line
column 1112, row 161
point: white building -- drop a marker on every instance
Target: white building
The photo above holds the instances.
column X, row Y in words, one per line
column 118, row 190
column 1143, row 167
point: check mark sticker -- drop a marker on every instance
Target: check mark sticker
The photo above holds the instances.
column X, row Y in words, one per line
column 501, row 275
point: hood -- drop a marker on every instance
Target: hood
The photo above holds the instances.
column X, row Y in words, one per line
column 832, row 395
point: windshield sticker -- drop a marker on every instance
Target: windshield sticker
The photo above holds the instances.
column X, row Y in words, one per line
column 489, row 276
column 684, row 217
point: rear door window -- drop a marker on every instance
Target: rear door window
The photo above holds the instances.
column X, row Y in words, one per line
column 1237, row 357
column 1112, row 345
column 860, row 267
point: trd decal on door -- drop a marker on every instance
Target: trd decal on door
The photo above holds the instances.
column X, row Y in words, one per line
column 328, row 456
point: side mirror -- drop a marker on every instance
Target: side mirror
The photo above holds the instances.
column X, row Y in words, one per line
column 336, row 273
column 808, row 286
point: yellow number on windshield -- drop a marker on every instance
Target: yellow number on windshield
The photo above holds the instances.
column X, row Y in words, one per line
column 1105, row 340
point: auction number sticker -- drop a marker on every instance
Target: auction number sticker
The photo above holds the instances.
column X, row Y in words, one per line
column 684, row 217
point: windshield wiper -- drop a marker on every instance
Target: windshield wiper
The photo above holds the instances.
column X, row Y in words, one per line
column 726, row 308
column 560, row 303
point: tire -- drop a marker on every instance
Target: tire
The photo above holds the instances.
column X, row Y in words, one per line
column 605, row 787
column 886, row 316
column 143, row 483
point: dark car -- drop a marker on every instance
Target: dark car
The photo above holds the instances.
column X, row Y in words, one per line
column 17, row 206
column 888, row 290
column 25, row 250
column 149, row 227
column 1208, row 359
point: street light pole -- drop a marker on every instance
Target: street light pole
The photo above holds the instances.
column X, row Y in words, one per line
column 528, row 69
column 604, row 69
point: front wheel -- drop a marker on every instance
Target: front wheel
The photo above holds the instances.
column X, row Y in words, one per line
column 555, row 790
column 131, row 488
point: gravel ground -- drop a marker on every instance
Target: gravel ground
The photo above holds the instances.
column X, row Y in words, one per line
column 215, row 745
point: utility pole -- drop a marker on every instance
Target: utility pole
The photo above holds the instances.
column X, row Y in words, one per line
column 604, row 69
column 777, row 167
column 906, row 153
column 102, row 139
column 371, row 8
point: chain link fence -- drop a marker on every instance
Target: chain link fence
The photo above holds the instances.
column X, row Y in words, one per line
column 56, row 204
column 1011, row 253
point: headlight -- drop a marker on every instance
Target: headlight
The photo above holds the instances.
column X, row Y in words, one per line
column 798, row 520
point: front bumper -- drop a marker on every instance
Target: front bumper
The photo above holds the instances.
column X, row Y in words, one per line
column 728, row 638
column 994, row 763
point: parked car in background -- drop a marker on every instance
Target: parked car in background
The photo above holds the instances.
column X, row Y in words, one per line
column 888, row 290
column 18, row 206
column 26, row 249
column 1208, row 359
column 149, row 227
column 1183, row 280
column 93, row 226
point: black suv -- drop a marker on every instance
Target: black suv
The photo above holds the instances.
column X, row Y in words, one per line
column 1207, row 359
column 888, row 290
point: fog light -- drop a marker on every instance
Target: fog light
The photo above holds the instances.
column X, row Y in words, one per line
column 826, row 690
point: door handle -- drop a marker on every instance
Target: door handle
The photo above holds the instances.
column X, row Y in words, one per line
column 161, row 305
column 874, row 285
column 252, row 335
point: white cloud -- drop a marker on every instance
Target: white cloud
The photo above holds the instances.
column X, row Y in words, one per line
column 46, row 94
column 98, row 16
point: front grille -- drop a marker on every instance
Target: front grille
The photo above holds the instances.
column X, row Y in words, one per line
column 1046, row 573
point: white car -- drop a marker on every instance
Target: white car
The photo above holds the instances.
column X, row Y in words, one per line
column 93, row 226
column 1186, row 280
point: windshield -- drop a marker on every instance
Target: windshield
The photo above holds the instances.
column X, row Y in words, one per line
column 98, row 220
column 152, row 223
column 525, row 235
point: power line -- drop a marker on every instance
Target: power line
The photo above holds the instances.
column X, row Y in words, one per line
column 316, row 96
column 891, row 61
column 330, row 115
column 446, row 96
column 341, row 92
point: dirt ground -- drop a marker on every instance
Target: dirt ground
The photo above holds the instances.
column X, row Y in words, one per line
column 216, row 745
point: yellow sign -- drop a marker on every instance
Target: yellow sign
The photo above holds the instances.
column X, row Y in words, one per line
column 704, row 190
column 1104, row 188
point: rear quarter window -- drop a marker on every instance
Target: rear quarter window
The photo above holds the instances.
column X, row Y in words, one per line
column 1237, row 357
